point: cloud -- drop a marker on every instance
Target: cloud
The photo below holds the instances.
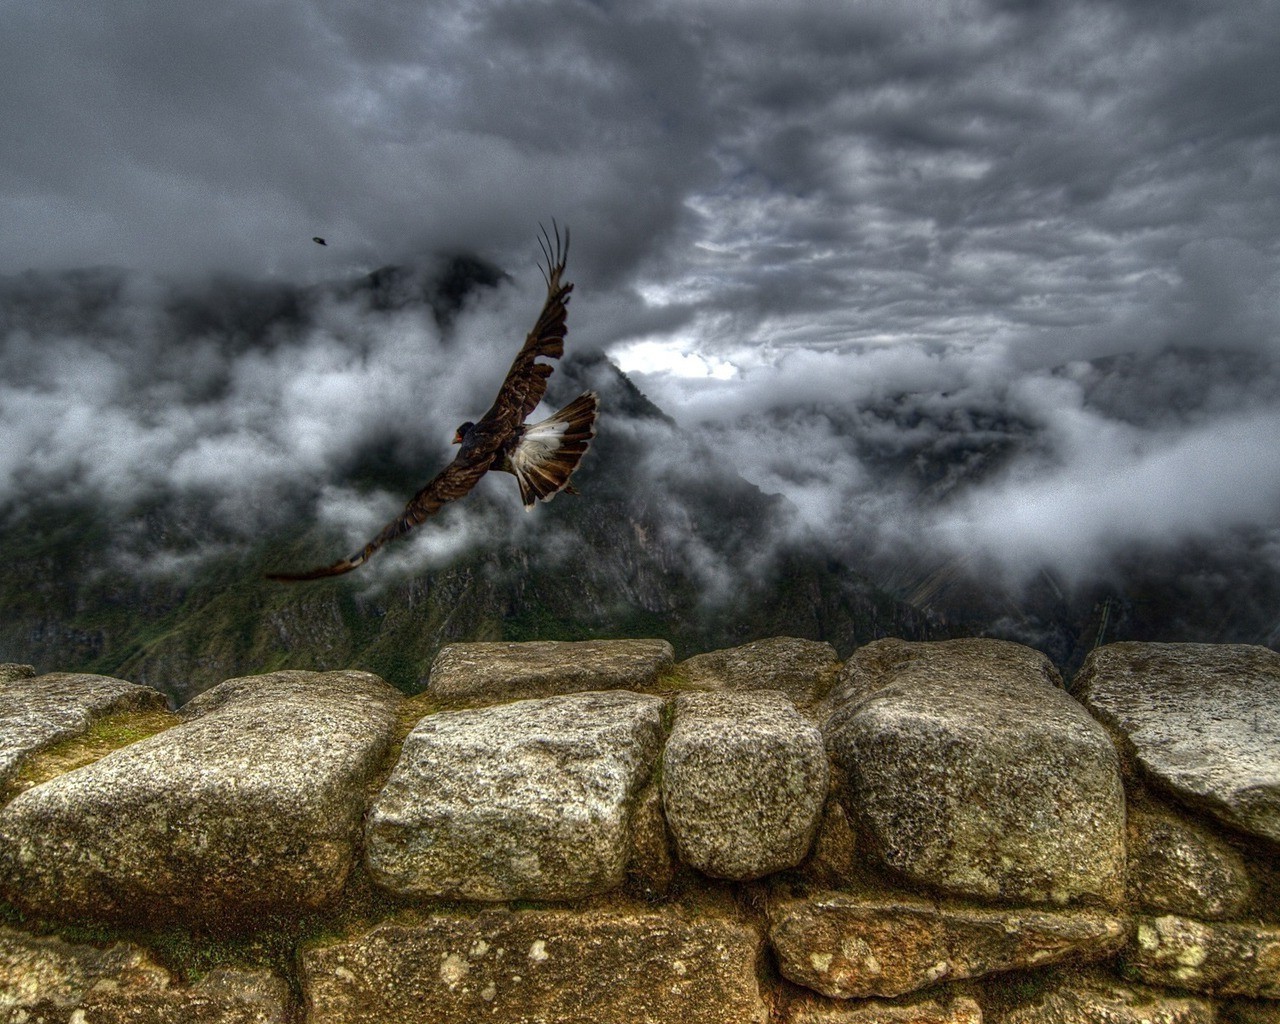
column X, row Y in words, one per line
column 958, row 276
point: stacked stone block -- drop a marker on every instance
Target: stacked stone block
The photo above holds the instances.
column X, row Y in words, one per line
column 926, row 833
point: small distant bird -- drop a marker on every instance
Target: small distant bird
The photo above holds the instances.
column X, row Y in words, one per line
column 541, row 456
column 318, row 240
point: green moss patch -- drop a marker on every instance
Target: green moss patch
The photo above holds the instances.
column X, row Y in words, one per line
column 109, row 733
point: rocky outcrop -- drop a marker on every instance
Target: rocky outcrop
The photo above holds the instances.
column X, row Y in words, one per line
column 10, row 671
column 535, row 966
column 851, row 946
column 1202, row 722
column 39, row 711
column 253, row 804
column 1097, row 999
column 802, row 669
column 531, row 800
column 543, row 668
column 1178, row 867
column 954, row 844
column 1241, row 959
column 743, row 782
column 969, row 768
column 47, row 979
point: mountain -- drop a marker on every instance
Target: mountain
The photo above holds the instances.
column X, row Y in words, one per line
column 143, row 567
column 663, row 540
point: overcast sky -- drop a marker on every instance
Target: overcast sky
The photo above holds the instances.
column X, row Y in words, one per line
column 784, row 215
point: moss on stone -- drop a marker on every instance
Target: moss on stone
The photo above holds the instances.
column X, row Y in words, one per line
column 107, row 734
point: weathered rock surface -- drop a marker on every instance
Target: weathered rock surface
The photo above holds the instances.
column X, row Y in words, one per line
column 969, row 769
column 253, row 804
column 47, row 980
column 1100, row 1000
column 528, row 800
column 850, row 946
column 1202, row 721
column 834, row 862
column 653, row 863
column 1214, row 958
column 1177, row 867
column 37, row 712
column 958, row 1010
column 802, row 669
column 545, row 667
column 10, row 671
column 744, row 777
column 539, row 966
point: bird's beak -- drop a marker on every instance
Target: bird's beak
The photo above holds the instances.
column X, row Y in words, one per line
column 457, row 437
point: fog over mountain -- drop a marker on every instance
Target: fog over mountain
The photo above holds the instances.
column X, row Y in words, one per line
column 984, row 293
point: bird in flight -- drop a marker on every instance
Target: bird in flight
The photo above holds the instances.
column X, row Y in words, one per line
column 542, row 456
column 319, row 241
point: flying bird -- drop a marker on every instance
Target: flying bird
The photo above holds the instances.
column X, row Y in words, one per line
column 542, row 456
column 319, row 241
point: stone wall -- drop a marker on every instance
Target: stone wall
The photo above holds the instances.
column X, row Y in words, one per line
column 592, row 833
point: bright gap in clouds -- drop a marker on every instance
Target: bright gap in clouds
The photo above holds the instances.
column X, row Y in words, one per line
column 672, row 357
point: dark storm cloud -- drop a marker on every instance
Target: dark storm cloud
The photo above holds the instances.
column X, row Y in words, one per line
column 915, row 265
column 181, row 136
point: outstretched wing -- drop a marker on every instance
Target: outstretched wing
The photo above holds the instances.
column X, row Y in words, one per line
column 521, row 391
column 526, row 381
column 450, row 484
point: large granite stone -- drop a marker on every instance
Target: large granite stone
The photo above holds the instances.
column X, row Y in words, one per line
column 11, row 671
column 1201, row 720
column 529, row 800
column 540, row 966
column 251, row 805
column 1178, row 867
column 847, row 945
column 802, row 669
column 1240, row 959
column 1102, row 1000
column 969, row 769
column 37, row 712
column 545, row 667
column 744, row 777
column 45, row 980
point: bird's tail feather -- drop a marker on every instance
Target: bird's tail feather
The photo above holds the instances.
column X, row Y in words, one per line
column 550, row 451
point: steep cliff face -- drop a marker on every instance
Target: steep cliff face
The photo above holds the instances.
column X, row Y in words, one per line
column 591, row 832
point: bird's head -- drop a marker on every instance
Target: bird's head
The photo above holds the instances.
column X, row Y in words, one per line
column 462, row 432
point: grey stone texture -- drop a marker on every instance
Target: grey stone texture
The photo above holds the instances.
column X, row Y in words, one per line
column 547, row 667
column 968, row 768
column 1216, row 958
column 618, row 966
column 919, row 1010
column 1178, row 867
column 847, row 945
column 46, row 979
column 744, row 777
column 39, row 711
column 653, row 863
column 11, row 671
column 252, row 804
column 834, row 862
column 1102, row 1000
column 802, row 669
column 1202, row 721
column 529, row 800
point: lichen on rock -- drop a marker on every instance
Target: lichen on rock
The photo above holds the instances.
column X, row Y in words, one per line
column 529, row 800
column 743, row 782
column 968, row 768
